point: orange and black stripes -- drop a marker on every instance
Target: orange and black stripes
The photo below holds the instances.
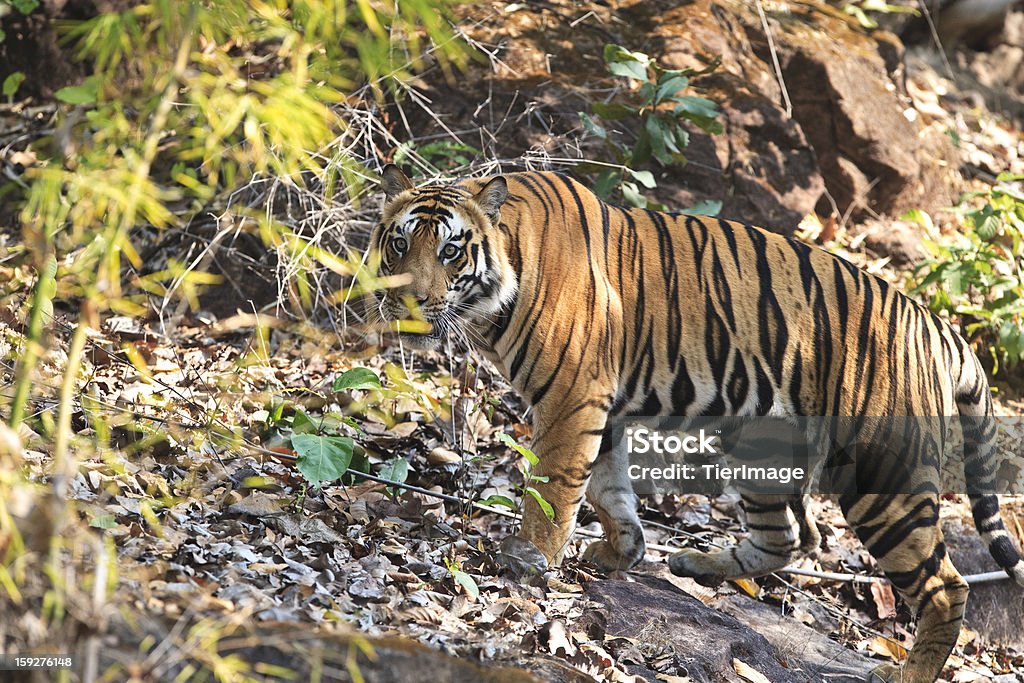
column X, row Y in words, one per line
column 595, row 311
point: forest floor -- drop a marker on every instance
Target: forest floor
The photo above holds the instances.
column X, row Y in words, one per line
column 187, row 535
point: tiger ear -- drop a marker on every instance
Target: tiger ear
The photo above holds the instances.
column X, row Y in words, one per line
column 394, row 181
column 492, row 196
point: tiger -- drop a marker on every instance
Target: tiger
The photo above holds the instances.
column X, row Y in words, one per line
column 593, row 312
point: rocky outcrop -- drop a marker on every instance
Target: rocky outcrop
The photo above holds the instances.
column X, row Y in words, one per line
column 843, row 86
column 840, row 137
column 705, row 644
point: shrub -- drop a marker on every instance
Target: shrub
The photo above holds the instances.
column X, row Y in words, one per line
column 979, row 275
column 660, row 112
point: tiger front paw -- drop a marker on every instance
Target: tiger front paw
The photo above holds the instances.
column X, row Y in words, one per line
column 696, row 565
column 608, row 558
column 521, row 557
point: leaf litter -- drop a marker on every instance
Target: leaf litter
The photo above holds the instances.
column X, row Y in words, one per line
column 205, row 527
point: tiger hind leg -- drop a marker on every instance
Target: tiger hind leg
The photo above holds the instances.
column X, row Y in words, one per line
column 779, row 531
column 902, row 533
column 610, row 493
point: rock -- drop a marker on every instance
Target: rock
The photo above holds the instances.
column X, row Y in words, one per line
column 995, row 610
column 899, row 240
column 848, row 132
column 763, row 157
column 658, row 616
column 849, row 145
column 841, row 83
column 972, row 22
column 762, row 166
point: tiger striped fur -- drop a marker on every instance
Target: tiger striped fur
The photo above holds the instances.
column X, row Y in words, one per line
column 594, row 311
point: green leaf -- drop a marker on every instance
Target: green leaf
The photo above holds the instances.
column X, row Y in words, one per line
column 466, row 581
column 545, row 506
column 940, row 301
column 357, row 378
column 645, row 178
column 276, row 413
column 920, row 217
column 303, row 423
column 496, row 499
column 593, row 128
column 530, row 456
column 682, row 139
column 953, row 280
column 612, row 111
column 656, row 134
column 25, row 6
column 103, row 522
column 12, row 83
column 886, row 8
column 641, row 152
column 322, row 458
column 78, row 94
column 1011, row 341
column 397, row 470
column 631, row 193
column 863, row 19
column 699, row 107
column 988, row 227
column 606, row 182
column 622, row 62
column 705, row 207
column 669, row 87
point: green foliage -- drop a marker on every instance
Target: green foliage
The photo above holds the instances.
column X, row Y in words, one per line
column 654, row 102
column 979, row 275
column 467, row 582
column 12, row 83
column 397, row 470
column 322, row 458
column 326, row 444
column 440, row 156
column 188, row 100
column 357, row 378
column 23, row 6
column 530, row 477
column 860, row 8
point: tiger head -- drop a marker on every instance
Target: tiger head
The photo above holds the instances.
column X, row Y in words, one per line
column 447, row 248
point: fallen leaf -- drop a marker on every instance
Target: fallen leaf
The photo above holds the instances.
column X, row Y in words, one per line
column 258, row 504
column 557, row 637
column 443, row 456
column 748, row 672
column 748, row 586
column 887, row 648
column 885, row 601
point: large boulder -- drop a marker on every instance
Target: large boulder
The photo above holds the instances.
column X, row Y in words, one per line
column 844, row 89
column 847, row 143
column 655, row 620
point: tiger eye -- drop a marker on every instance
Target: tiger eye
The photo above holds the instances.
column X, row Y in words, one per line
column 450, row 251
column 399, row 244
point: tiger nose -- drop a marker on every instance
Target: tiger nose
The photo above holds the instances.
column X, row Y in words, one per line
column 419, row 299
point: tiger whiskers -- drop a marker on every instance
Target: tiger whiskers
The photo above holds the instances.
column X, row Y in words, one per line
column 464, row 328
